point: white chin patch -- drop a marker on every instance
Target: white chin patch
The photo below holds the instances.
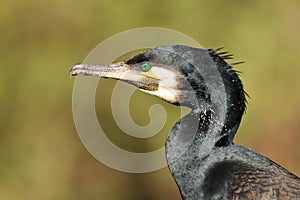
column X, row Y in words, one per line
column 167, row 94
column 168, row 82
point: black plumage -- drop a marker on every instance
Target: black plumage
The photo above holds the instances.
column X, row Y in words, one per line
column 199, row 148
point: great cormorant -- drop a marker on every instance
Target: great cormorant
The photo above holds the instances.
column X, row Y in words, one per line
column 211, row 166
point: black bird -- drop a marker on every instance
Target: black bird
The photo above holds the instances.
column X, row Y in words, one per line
column 199, row 148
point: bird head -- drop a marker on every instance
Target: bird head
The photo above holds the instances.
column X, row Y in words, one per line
column 164, row 72
column 150, row 71
column 193, row 77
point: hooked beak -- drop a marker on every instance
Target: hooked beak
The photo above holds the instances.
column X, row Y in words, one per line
column 120, row 71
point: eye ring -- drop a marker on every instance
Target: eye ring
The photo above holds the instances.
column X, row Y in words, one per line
column 145, row 66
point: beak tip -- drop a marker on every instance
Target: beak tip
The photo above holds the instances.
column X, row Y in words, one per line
column 74, row 70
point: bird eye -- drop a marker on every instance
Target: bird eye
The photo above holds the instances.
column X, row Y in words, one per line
column 145, row 66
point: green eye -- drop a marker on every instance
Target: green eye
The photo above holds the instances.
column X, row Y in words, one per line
column 145, row 66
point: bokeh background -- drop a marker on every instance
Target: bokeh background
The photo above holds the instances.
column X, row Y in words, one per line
column 41, row 154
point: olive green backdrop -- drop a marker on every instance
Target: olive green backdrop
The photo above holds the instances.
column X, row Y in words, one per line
column 40, row 152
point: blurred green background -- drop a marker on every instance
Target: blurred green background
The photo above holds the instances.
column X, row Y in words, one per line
column 40, row 151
